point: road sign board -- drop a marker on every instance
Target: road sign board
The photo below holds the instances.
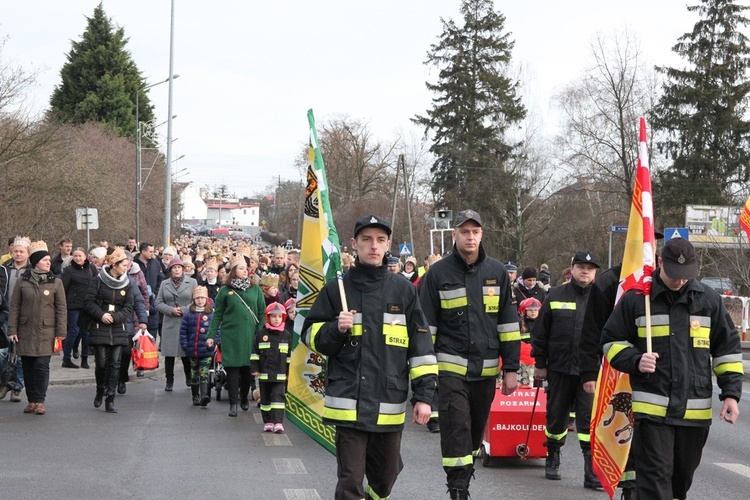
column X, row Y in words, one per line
column 618, row 229
column 676, row 232
column 404, row 249
column 87, row 218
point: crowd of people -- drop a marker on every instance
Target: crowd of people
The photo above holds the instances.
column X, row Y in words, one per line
column 458, row 328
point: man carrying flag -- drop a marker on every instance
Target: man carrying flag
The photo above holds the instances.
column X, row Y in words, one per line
column 670, row 354
column 376, row 337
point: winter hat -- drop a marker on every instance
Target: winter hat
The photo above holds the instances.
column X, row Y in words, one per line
column 393, row 261
column 527, row 304
column 37, row 251
column 511, row 267
column 276, row 308
column 176, row 261
column 99, row 252
column 200, row 291
column 168, row 250
column 528, row 273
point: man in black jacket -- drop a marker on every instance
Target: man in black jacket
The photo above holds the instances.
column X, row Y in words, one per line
column 555, row 339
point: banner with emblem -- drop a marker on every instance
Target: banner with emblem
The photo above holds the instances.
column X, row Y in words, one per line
column 612, row 416
column 320, row 260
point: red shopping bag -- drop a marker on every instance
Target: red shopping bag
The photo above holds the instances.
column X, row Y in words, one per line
column 145, row 354
column 58, row 344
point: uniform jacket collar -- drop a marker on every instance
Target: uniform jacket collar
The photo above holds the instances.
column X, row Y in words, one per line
column 459, row 258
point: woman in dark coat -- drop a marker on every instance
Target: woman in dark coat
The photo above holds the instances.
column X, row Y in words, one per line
column 38, row 315
column 109, row 303
column 76, row 279
column 239, row 312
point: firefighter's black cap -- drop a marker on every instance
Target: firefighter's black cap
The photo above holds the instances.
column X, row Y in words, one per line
column 372, row 221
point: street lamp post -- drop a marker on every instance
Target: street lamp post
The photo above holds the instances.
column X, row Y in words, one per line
column 168, row 177
column 138, row 156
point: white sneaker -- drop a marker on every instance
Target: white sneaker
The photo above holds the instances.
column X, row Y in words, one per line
column 268, row 428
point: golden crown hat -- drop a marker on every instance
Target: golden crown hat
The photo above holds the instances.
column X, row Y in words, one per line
column 200, row 291
column 269, row 279
column 279, row 250
column 236, row 260
column 36, row 246
column 116, row 256
column 211, row 263
column 22, row 241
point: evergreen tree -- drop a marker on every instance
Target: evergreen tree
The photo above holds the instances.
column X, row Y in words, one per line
column 476, row 103
column 100, row 80
column 702, row 112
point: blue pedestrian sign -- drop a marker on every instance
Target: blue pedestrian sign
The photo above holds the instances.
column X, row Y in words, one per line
column 676, row 232
column 618, row 229
column 404, row 249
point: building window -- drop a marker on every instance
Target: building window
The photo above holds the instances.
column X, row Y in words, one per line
column 244, row 212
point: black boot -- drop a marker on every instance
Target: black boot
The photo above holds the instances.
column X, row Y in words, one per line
column 589, row 477
column 196, row 397
column 122, row 388
column 552, row 463
column 205, row 397
column 109, row 405
column 99, row 397
column 629, row 494
column 458, row 490
column 85, row 362
column 233, row 409
column 244, row 403
column 170, row 384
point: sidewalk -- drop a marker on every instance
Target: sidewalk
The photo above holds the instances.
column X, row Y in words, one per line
column 72, row 376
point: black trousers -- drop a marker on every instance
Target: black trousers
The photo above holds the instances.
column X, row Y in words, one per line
column 564, row 390
column 376, row 455
column 668, row 456
column 125, row 361
column 169, row 368
column 107, row 369
column 272, row 402
column 239, row 380
column 35, row 377
column 464, row 408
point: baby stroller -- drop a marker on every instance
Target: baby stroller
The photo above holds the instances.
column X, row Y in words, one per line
column 217, row 376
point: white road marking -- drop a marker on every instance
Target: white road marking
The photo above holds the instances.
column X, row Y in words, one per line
column 301, row 495
column 289, row 466
column 742, row 470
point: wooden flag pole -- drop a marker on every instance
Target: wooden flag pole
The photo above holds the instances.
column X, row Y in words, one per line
column 647, row 298
column 340, row 278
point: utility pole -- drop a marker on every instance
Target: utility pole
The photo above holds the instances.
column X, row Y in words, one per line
column 401, row 166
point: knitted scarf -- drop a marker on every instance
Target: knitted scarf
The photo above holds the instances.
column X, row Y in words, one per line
column 241, row 284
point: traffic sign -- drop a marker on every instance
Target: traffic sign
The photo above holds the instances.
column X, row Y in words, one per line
column 404, row 249
column 618, row 229
column 676, row 232
column 87, row 218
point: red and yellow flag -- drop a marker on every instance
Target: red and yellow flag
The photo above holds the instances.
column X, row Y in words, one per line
column 745, row 219
column 611, row 436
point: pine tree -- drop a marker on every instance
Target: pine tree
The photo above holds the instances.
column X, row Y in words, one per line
column 702, row 112
column 475, row 105
column 100, row 80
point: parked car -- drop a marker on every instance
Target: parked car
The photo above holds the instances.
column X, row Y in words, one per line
column 724, row 286
column 220, row 232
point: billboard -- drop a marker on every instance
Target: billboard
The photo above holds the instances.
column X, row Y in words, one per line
column 714, row 225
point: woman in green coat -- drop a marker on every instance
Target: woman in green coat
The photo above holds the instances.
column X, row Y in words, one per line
column 238, row 310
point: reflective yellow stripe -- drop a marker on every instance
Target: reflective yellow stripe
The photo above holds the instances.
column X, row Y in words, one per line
column 702, row 333
column 556, row 437
column 491, row 303
column 612, row 349
column 374, row 496
column 264, row 345
column 649, row 409
column 628, row 475
column 422, row 370
column 356, row 330
column 265, row 407
column 396, row 335
column 704, row 414
column 386, row 419
column 314, row 329
column 454, row 303
column 284, row 348
column 281, row 376
column 342, row 415
column 445, row 366
column 254, row 357
column 277, row 406
column 584, row 438
column 735, row 367
column 263, row 376
column 490, row 372
column 571, row 306
column 510, row 336
column 458, row 461
column 656, row 331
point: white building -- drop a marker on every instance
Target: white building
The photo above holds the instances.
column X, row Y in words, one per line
column 240, row 215
column 194, row 209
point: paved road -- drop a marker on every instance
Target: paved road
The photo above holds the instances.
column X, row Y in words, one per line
column 160, row 446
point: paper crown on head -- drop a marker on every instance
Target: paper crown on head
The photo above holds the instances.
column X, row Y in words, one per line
column 22, row 241
column 279, row 250
column 212, row 264
column 269, row 279
column 245, row 250
column 200, row 291
column 117, row 256
column 236, row 260
column 37, row 246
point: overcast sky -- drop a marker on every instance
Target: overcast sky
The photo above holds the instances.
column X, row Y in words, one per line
column 249, row 71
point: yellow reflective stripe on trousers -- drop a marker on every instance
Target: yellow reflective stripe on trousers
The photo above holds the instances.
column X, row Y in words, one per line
column 420, row 366
column 452, row 363
column 372, row 495
column 343, row 409
column 555, row 304
column 451, row 299
column 458, row 461
column 556, row 437
column 584, row 438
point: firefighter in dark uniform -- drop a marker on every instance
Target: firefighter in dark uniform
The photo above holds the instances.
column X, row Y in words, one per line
column 692, row 337
column 467, row 299
column 554, row 347
column 373, row 349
